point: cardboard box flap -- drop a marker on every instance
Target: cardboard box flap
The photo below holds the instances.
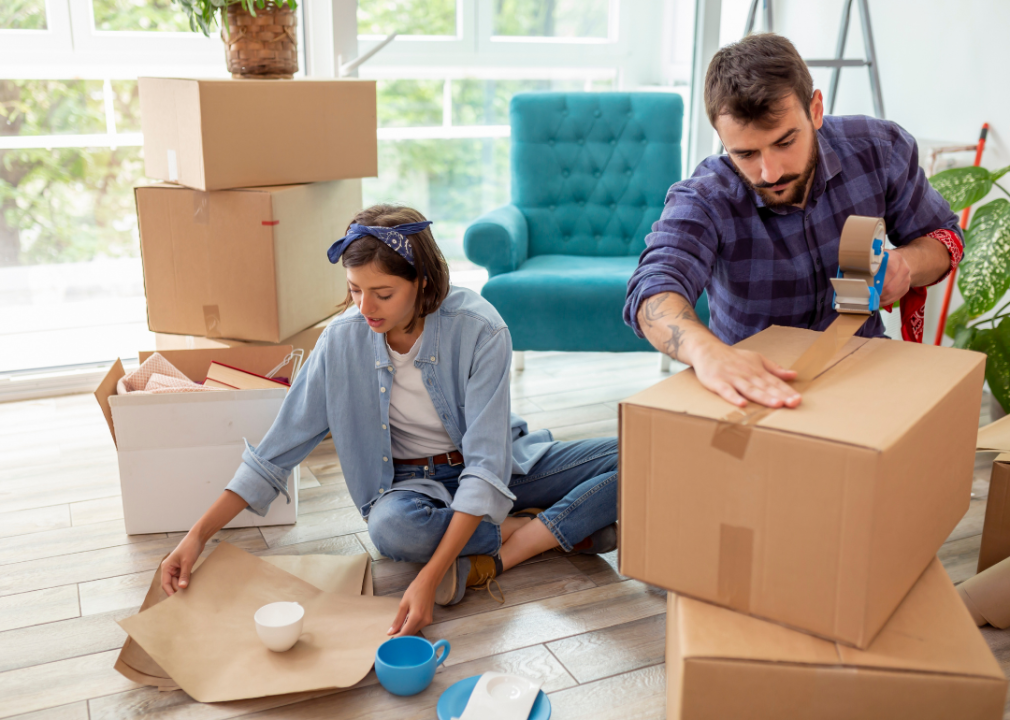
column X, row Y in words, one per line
column 710, row 631
column 853, row 401
column 995, row 436
column 930, row 632
column 252, row 358
column 106, row 389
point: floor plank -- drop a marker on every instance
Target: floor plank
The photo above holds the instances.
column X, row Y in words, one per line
column 614, row 650
column 73, row 711
column 639, row 695
column 97, row 511
column 960, row 557
column 315, row 526
column 51, row 543
column 107, row 562
column 60, row 683
column 25, row 522
column 40, row 606
column 547, row 620
column 61, row 640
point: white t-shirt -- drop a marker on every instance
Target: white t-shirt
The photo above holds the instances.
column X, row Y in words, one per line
column 415, row 429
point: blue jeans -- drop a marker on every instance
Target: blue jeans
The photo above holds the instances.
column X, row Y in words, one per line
column 575, row 481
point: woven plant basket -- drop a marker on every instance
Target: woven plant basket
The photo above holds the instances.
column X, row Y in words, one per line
column 261, row 46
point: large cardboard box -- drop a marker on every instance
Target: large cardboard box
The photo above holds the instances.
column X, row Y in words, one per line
column 996, row 528
column 831, row 511
column 244, row 264
column 928, row 663
column 178, row 451
column 220, row 134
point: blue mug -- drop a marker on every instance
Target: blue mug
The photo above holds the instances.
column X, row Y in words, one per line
column 406, row 665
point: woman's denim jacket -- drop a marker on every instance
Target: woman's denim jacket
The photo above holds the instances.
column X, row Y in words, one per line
column 465, row 354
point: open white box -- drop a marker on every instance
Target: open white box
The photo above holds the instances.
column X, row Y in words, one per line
column 178, row 451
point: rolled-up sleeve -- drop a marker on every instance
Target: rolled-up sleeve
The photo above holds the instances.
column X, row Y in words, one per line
column 914, row 207
column 487, row 442
column 680, row 252
column 299, row 427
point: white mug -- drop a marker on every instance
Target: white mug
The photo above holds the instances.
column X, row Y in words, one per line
column 279, row 624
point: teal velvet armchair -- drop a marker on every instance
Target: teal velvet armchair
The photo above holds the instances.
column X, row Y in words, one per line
column 590, row 172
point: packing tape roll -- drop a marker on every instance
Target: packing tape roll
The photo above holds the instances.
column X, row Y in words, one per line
column 856, row 258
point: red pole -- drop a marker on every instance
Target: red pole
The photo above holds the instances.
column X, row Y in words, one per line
column 964, row 226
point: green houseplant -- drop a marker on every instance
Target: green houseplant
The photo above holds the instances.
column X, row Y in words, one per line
column 259, row 35
column 984, row 275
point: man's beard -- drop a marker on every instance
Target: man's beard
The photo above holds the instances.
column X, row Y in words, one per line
column 793, row 195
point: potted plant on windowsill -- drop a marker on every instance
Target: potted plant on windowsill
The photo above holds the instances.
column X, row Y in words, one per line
column 984, row 275
column 260, row 36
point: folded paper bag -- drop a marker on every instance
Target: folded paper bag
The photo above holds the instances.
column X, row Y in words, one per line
column 987, row 595
column 205, row 638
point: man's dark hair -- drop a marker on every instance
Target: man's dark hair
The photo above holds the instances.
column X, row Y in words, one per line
column 749, row 80
column 429, row 263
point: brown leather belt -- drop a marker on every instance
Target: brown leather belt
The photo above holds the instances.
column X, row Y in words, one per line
column 453, row 458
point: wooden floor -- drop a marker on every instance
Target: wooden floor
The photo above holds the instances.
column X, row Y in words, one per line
column 68, row 571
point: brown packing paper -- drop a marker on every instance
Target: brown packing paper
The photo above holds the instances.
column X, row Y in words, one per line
column 995, row 436
column 340, row 574
column 987, row 595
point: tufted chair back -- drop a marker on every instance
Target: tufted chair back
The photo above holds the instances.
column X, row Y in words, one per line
column 590, row 171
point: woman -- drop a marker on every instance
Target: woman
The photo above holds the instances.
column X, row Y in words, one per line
column 414, row 386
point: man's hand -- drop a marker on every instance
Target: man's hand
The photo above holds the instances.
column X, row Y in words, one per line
column 741, row 375
column 897, row 279
column 416, row 606
column 669, row 322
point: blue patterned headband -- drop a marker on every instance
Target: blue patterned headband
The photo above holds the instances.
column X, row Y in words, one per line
column 394, row 237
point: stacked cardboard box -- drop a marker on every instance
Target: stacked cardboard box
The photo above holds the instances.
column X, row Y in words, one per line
column 816, row 522
column 260, row 177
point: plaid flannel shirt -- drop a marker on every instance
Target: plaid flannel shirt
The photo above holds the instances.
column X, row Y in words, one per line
column 767, row 266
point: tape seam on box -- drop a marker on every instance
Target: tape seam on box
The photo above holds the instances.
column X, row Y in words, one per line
column 736, row 557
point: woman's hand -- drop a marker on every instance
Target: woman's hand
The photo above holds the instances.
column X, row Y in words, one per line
column 416, row 607
column 177, row 567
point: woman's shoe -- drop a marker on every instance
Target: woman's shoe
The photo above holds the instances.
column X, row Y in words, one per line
column 476, row 571
column 602, row 541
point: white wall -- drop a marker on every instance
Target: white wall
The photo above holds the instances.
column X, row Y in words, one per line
column 944, row 69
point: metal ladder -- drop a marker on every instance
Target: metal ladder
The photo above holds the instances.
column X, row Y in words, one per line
column 837, row 63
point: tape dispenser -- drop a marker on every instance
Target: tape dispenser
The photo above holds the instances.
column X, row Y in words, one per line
column 862, row 265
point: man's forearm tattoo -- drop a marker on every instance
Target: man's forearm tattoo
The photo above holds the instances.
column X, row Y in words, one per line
column 653, row 311
column 672, row 345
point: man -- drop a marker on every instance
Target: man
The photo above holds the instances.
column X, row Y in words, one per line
column 759, row 227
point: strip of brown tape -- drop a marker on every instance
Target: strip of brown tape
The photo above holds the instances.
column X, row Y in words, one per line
column 736, row 550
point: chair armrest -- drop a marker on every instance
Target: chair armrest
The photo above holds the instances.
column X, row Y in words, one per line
column 498, row 240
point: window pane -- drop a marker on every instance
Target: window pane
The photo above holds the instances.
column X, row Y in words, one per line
column 140, row 15
column 409, row 103
column 551, row 18
column 51, row 107
column 23, row 15
column 486, row 102
column 71, row 285
column 126, row 102
column 407, row 17
column 451, row 182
